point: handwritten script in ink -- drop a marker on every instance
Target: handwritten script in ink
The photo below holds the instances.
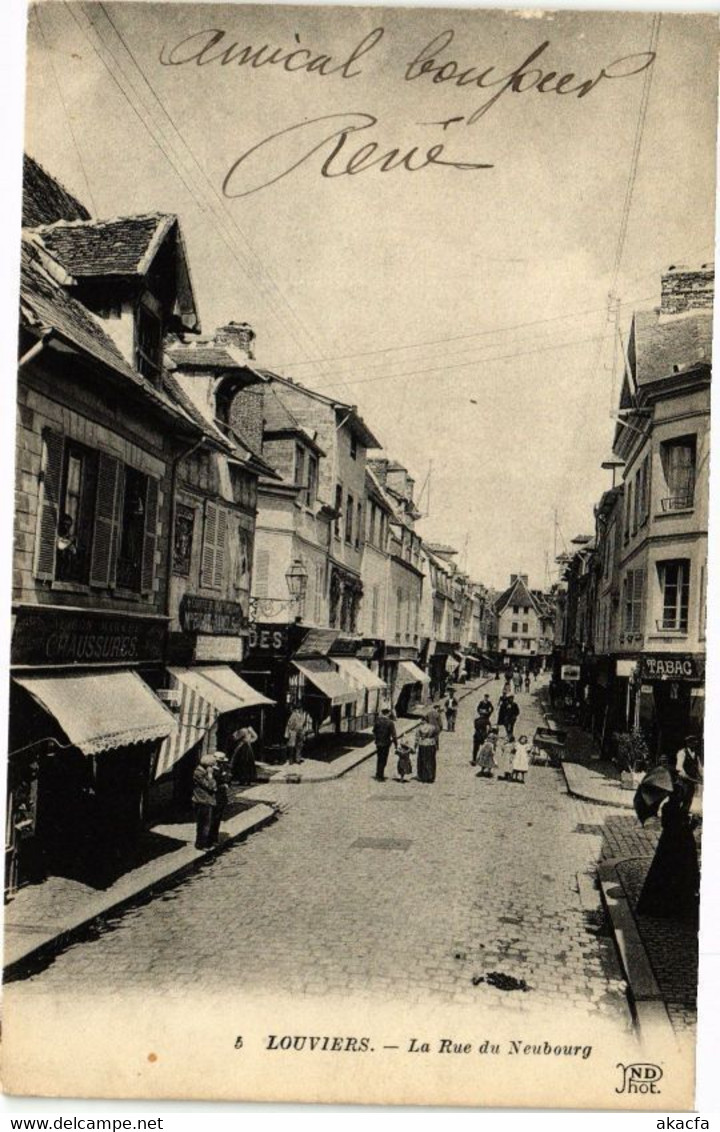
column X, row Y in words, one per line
column 344, row 144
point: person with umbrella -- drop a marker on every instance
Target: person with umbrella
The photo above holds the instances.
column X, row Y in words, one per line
column 672, row 885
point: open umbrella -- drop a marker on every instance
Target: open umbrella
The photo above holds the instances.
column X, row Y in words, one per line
column 656, row 786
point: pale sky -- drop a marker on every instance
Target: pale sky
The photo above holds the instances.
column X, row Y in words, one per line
column 441, row 262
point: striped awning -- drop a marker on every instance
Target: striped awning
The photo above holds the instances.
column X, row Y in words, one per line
column 101, row 711
column 358, row 674
column 409, row 673
column 205, row 693
column 327, row 680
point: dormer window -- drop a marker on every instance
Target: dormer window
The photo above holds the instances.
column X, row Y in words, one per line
column 148, row 342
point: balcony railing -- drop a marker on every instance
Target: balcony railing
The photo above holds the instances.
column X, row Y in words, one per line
column 677, row 502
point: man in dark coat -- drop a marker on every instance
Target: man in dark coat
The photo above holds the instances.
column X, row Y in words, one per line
column 510, row 714
column 385, row 735
column 204, row 800
column 481, row 725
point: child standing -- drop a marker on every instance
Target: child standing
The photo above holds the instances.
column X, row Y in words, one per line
column 521, row 760
column 486, row 755
column 505, row 759
column 404, row 764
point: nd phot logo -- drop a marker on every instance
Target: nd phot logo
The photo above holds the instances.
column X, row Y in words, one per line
column 640, row 1077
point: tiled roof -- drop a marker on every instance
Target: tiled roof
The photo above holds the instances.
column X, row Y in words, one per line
column 123, row 246
column 45, row 305
column 45, row 200
column 206, row 355
column 177, row 393
column 352, row 418
column 664, row 345
column 516, row 594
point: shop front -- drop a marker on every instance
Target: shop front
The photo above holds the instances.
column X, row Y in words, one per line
column 671, row 699
column 85, row 734
column 208, row 697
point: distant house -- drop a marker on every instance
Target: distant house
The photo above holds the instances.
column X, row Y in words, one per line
column 520, row 625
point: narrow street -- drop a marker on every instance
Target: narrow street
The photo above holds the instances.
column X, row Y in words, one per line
column 365, row 887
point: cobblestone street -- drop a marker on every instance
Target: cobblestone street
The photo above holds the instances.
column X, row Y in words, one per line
column 421, row 891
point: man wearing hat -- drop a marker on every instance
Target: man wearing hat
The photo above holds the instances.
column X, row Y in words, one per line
column 688, row 768
column 204, row 800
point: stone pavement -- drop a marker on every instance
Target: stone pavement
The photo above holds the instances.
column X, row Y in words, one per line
column 44, row 917
column 660, row 956
column 456, row 891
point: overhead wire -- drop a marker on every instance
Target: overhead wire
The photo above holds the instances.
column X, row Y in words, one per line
column 36, row 12
column 474, row 361
column 165, row 146
column 260, row 266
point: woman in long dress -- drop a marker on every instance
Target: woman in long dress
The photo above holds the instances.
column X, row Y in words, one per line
column 672, row 885
column 426, row 745
column 242, row 764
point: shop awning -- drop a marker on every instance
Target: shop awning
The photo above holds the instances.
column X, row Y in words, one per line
column 103, row 710
column 221, row 687
column 358, row 675
column 409, row 673
column 327, row 680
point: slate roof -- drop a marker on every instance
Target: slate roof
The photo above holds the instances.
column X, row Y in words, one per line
column 659, row 344
column 516, row 594
column 352, row 418
column 45, row 200
column 45, row 305
column 122, row 246
column 206, row 355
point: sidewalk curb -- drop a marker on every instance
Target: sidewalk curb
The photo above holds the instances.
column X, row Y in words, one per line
column 48, row 947
column 187, row 860
column 586, row 796
column 362, row 756
column 646, row 1001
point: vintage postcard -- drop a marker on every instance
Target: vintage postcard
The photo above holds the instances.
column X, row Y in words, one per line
column 360, row 561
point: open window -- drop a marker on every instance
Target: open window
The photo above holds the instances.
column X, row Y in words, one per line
column 148, row 342
column 679, row 457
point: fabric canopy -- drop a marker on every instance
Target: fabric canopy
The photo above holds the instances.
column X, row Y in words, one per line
column 327, row 680
column 205, row 693
column 221, row 687
column 101, row 711
column 409, row 673
column 358, row 675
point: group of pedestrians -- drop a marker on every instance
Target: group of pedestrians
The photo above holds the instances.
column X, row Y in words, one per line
column 212, row 779
column 425, row 745
column 506, row 755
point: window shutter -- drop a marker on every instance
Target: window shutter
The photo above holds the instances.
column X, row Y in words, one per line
column 207, row 577
column 638, row 589
column 262, row 570
column 53, row 448
column 108, row 510
column 150, row 539
column 220, row 543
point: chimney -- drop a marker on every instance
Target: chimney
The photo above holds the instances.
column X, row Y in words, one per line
column 238, row 334
column 686, row 288
column 397, row 479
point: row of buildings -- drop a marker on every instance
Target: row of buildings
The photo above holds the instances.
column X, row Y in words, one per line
column 200, row 544
column 631, row 606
